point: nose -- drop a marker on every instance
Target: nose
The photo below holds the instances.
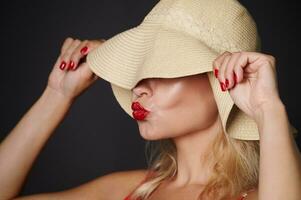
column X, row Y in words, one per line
column 142, row 88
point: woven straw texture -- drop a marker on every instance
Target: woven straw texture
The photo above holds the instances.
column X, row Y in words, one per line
column 179, row 38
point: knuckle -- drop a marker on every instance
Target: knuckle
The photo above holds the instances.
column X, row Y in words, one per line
column 272, row 58
column 228, row 70
column 77, row 41
column 76, row 54
column 74, row 59
column 265, row 62
column 62, row 57
column 68, row 52
column 215, row 64
column 68, row 39
column 236, row 53
column 226, row 61
column 86, row 42
column 72, row 55
column 240, row 53
column 95, row 43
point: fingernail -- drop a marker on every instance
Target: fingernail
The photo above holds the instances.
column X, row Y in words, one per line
column 73, row 68
column 227, row 83
column 84, row 50
column 222, row 86
column 71, row 65
column 63, row 65
column 215, row 72
column 235, row 78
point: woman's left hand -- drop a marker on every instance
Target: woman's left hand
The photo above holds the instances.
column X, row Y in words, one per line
column 256, row 83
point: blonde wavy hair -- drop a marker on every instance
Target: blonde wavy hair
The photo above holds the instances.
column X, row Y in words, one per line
column 235, row 167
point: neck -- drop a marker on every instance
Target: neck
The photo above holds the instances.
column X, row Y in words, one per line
column 192, row 150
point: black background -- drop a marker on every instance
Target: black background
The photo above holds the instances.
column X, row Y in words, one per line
column 97, row 137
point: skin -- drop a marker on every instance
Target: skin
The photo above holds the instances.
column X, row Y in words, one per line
column 189, row 99
column 255, row 93
column 185, row 110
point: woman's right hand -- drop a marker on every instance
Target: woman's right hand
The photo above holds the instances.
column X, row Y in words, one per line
column 71, row 80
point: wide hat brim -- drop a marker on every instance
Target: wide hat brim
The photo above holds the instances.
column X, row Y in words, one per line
column 149, row 50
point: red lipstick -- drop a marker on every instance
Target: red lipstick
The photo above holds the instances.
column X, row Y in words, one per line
column 139, row 112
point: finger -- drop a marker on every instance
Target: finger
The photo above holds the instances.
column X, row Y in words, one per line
column 83, row 49
column 79, row 52
column 68, row 41
column 238, row 70
column 59, row 62
column 246, row 59
column 59, row 66
column 87, row 73
column 222, row 69
column 218, row 61
column 66, row 56
column 229, row 76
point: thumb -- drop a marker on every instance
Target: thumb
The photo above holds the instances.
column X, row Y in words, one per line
column 89, row 73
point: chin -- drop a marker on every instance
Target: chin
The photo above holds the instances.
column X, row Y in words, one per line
column 153, row 135
column 148, row 133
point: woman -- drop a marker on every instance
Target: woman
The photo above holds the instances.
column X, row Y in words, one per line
column 194, row 157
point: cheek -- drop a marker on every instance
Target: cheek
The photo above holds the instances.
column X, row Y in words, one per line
column 178, row 113
column 160, row 123
column 204, row 115
column 186, row 118
column 185, row 115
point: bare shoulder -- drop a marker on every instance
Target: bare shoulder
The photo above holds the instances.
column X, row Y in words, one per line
column 115, row 185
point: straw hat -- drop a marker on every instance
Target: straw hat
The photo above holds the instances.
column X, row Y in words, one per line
column 180, row 38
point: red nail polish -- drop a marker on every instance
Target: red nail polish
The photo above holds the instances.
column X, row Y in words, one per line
column 227, row 83
column 222, row 86
column 235, row 78
column 215, row 73
column 74, row 67
column 84, row 50
column 71, row 65
column 63, row 65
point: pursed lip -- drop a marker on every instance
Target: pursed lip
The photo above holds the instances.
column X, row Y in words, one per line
column 139, row 112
